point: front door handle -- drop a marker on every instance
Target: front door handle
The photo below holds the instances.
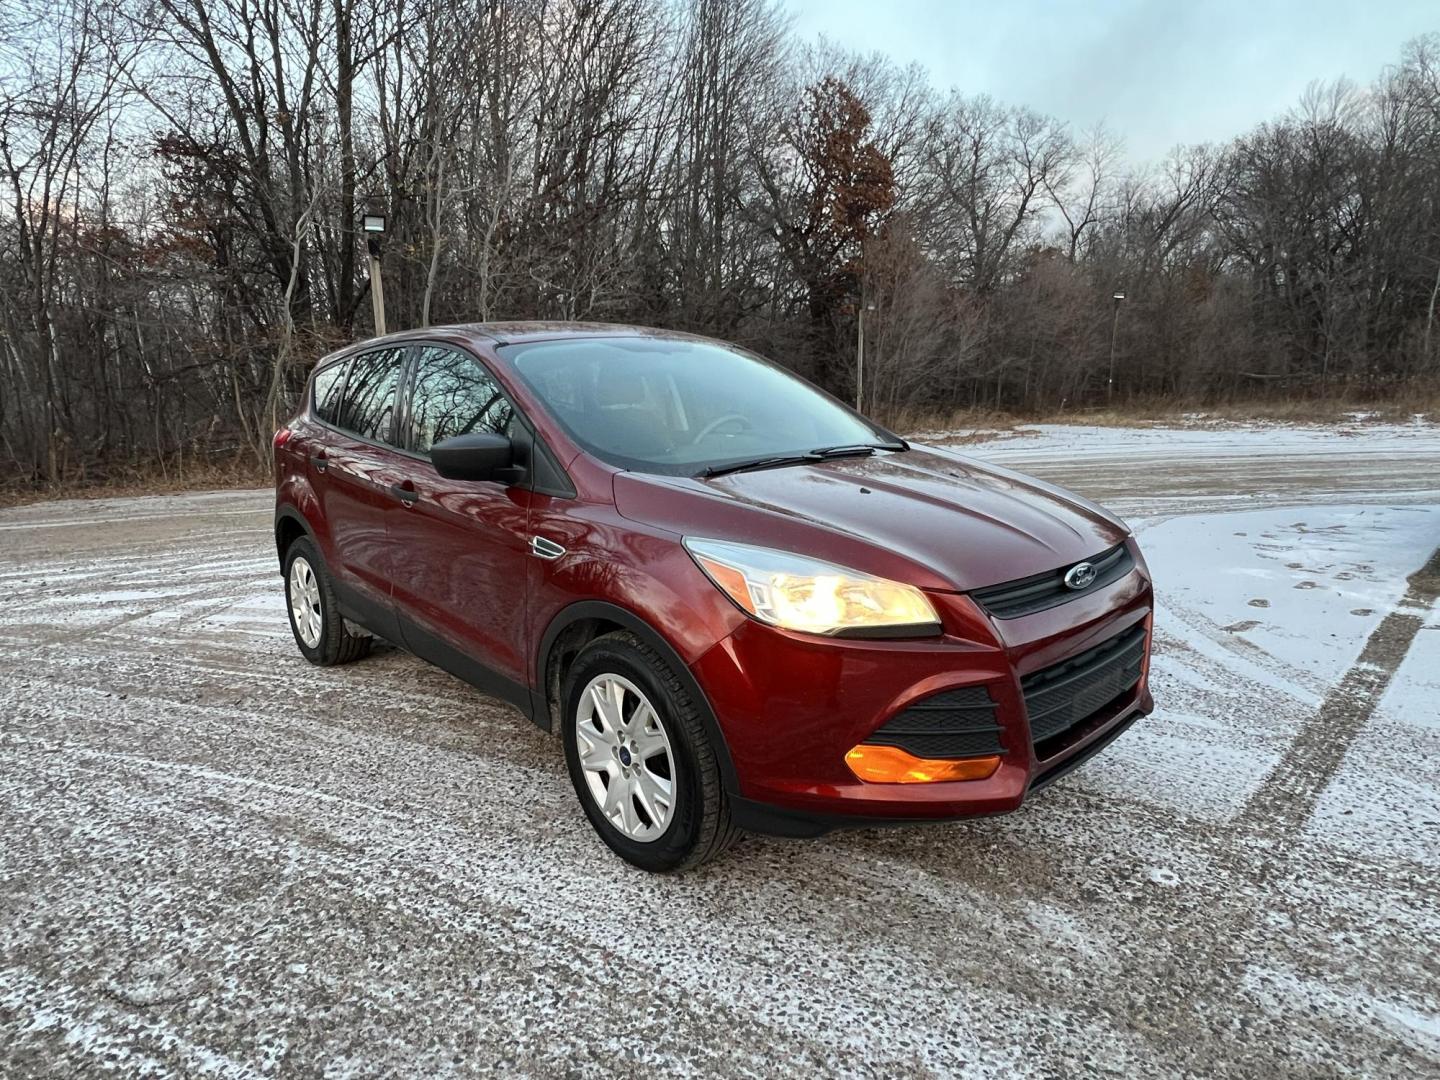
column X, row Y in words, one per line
column 405, row 492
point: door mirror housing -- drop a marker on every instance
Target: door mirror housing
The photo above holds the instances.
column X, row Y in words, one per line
column 479, row 456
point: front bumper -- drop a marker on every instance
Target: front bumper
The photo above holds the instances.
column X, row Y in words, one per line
column 791, row 705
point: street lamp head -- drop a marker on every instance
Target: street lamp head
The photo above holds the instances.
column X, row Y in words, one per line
column 373, row 223
column 870, row 306
column 1119, row 296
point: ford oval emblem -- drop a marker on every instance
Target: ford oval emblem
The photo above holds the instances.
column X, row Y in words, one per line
column 1080, row 576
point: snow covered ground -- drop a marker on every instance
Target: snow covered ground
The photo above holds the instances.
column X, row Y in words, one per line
column 217, row 860
column 1259, row 614
column 1211, row 438
column 1222, row 467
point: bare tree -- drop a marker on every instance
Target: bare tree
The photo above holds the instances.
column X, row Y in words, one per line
column 986, row 173
column 1083, row 193
column 181, row 181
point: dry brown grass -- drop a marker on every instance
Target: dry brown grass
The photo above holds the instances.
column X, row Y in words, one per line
column 237, row 472
column 1166, row 413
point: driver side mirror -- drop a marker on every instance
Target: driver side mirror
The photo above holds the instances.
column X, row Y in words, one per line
column 479, row 456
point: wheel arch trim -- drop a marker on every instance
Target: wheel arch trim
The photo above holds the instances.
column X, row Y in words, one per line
column 288, row 513
column 601, row 609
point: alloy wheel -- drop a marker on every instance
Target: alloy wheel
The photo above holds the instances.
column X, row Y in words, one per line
column 305, row 602
column 626, row 758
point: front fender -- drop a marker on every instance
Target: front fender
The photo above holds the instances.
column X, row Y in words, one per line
column 604, row 610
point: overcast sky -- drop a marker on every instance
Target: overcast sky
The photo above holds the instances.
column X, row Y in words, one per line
column 1158, row 72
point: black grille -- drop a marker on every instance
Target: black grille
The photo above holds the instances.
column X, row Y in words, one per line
column 955, row 723
column 1028, row 595
column 1068, row 693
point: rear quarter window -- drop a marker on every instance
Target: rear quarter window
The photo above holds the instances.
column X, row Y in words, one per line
column 329, row 385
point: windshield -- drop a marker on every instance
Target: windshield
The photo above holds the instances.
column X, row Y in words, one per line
column 682, row 407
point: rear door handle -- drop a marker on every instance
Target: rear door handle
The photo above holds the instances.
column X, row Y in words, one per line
column 405, row 492
column 319, row 460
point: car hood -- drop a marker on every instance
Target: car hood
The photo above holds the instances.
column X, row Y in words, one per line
column 928, row 516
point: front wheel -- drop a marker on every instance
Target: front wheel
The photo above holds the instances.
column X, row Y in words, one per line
column 640, row 758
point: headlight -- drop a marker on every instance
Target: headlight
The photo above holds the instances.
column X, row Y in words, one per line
column 797, row 593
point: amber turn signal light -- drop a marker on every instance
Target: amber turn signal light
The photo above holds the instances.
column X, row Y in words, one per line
column 891, row 765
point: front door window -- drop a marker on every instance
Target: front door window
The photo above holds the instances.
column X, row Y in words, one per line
column 454, row 395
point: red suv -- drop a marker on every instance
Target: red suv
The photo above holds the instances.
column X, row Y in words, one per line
column 743, row 605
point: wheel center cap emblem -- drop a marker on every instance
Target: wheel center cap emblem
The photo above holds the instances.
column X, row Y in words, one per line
column 1080, row 576
column 624, row 757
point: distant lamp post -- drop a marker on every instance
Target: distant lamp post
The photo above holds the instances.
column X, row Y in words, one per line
column 373, row 225
column 860, row 358
column 1119, row 298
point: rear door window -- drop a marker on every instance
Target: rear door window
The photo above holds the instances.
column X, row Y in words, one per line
column 454, row 395
column 368, row 405
column 329, row 385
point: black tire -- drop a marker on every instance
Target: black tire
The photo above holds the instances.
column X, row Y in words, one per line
column 699, row 828
column 335, row 644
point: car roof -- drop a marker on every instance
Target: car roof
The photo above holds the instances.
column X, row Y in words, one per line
column 510, row 333
column 506, row 333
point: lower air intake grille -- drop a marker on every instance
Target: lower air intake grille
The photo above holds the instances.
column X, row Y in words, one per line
column 1025, row 596
column 955, row 723
column 1068, row 693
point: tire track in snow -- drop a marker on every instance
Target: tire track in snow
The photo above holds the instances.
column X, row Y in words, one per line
column 1299, row 683
column 129, row 519
column 1284, row 802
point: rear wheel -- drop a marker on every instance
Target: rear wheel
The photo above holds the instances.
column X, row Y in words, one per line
column 640, row 758
column 319, row 628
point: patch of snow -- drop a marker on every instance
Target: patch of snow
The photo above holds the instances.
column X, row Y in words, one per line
column 1075, row 440
column 1346, row 1007
column 1208, row 778
column 1385, row 799
column 1304, row 587
column 1243, row 656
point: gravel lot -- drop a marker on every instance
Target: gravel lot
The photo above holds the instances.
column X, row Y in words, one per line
column 217, row 860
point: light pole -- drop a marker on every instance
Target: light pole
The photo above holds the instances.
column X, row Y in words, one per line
column 860, row 357
column 374, row 228
column 1114, row 326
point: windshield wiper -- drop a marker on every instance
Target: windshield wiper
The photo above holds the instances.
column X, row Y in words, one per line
column 855, row 450
column 762, row 463
column 809, row 457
